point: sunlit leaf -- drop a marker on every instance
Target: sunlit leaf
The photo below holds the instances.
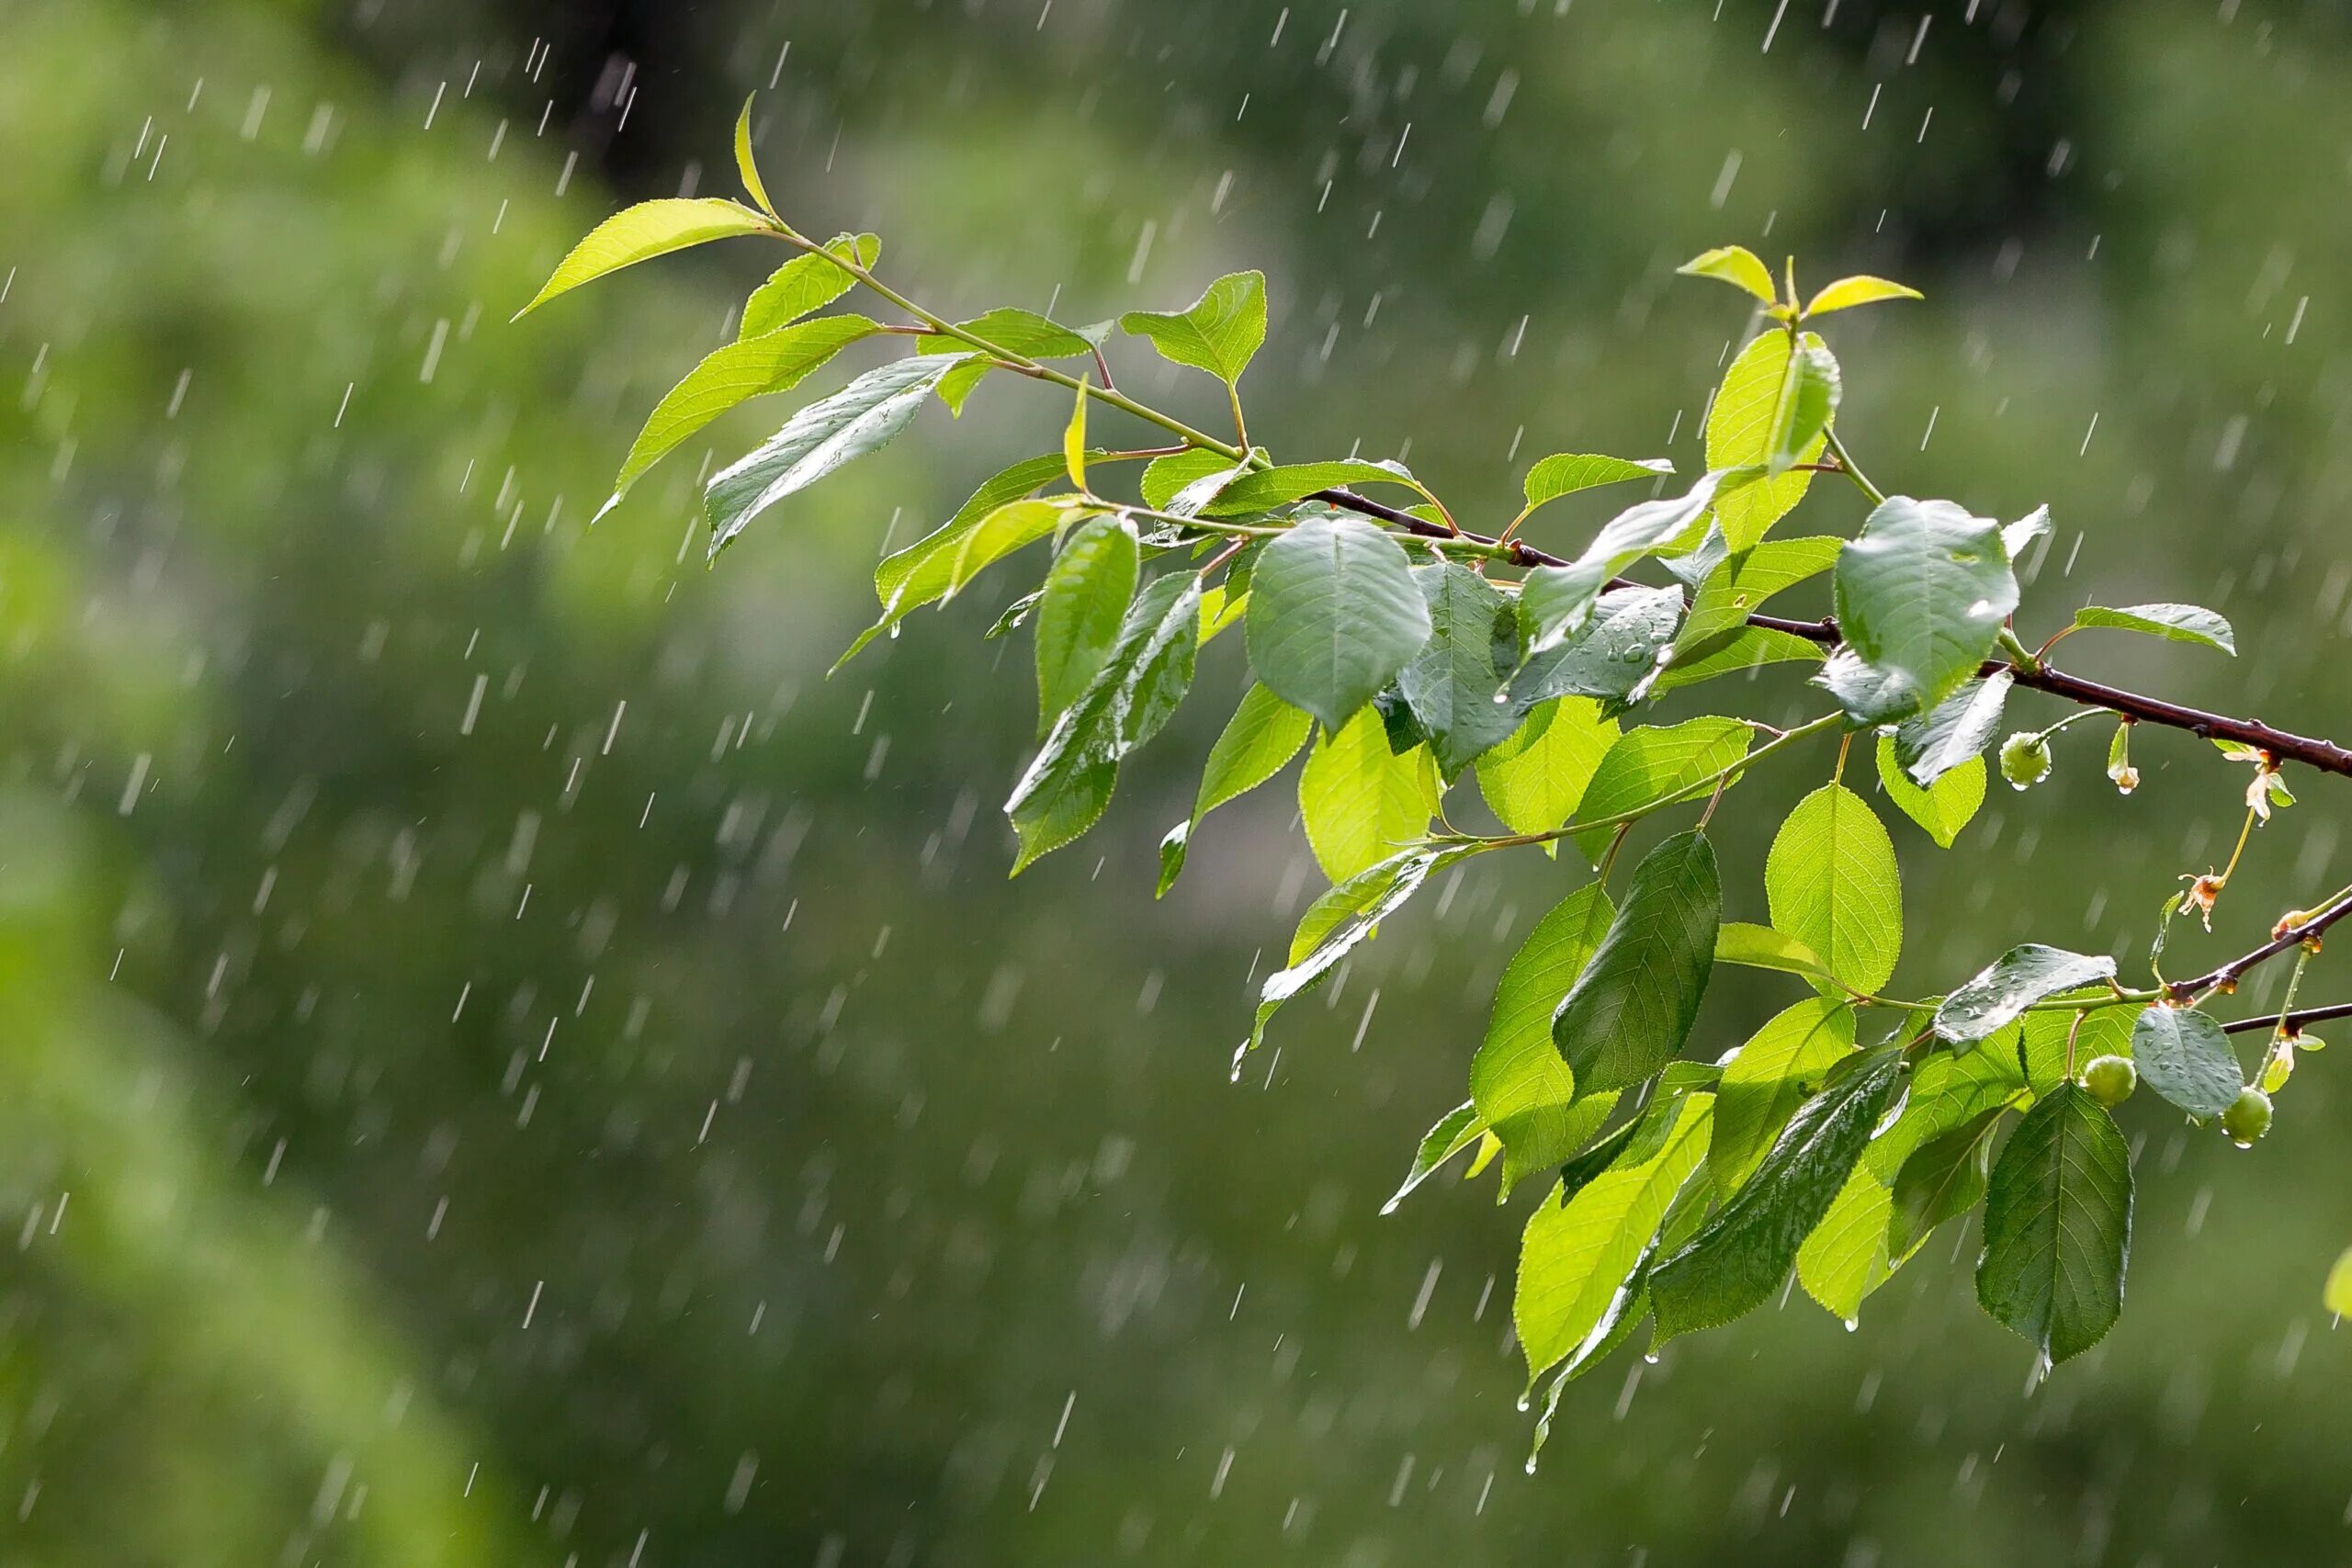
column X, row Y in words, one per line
column 1362, row 801
column 1860, row 289
column 1218, row 332
column 1778, row 1068
column 1735, row 264
column 747, row 368
column 2175, row 623
column 1522, row 1087
column 1533, row 781
column 1575, row 1253
column 1739, row 1260
column 641, row 233
column 1564, row 473
column 806, row 283
column 1945, row 806
column 1751, row 416
column 1832, row 883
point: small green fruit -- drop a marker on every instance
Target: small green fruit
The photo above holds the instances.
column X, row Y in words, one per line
column 2025, row 759
column 2247, row 1118
column 2110, row 1079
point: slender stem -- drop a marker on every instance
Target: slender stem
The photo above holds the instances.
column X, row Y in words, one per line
column 1026, row 366
column 1853, row 470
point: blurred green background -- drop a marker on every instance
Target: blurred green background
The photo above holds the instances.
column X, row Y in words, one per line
column 502, row 1062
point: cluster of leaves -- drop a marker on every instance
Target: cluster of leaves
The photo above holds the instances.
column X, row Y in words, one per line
column 1408, row 656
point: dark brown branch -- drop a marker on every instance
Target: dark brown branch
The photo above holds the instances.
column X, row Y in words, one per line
column 2286, row 940
column 2295, row 1020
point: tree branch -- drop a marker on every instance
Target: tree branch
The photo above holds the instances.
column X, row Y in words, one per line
column 2294, row 1020
column 2286, row 940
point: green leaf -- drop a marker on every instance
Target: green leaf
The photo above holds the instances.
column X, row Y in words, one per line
column 1262, row 490
column 747, row 368
column 1858, row 289
column 1519, row 1082
column 1753, row 412
column 1360, row 800
column 1944, row 807
column 1778, row 1068
column 1947, row 1093
column 1632, row 1009
column 2336, row 1294
column 745, row 164
column 1921, row 594
column 806, row 283
column 1218, row 332
column 1016, row 331
column 1164, row 478
column 1010, row 527
column 1954, row 732
column 1761, row 947
column 1556, row 601
column 641, row 233
column 1336, row 922
column 1455, row 1130
column 2003, row 989
column 1738, row 586
column 1831, row 882
column 1613, row 657
column 1575, row 1253
column 1533, row 780
column 1564, row 473
column 819, row 439
column 923, row 572
column 1847, row 1258
column 1334, row 615
column 1739, row 1259
column 1068, row 784
column 2175, row 623
column 1651, row 766
column 1944, row 1178
column 1807, row 404
column 2058, row 1225
column 1746, row 650
column 1081, row 609
column 1074, row 443
column 1735, row 264
column 2019, row 536
column 1452, row 684
column 2183, row 1055
column 1263, row 735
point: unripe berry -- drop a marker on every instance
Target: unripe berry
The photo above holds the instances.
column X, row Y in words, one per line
column 2110, row 1079
column 2247, row 1118
column 2025, row 759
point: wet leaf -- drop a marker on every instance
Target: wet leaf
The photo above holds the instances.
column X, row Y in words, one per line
column 2058, row 1225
